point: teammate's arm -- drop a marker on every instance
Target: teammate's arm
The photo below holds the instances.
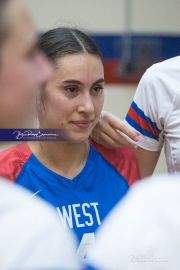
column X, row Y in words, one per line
column 147, row 161
column 108, row 132
column 112, row 131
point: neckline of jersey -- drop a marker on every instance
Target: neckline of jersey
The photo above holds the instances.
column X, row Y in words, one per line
column 43, row 172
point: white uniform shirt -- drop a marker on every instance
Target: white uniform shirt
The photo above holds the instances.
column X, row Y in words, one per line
column 143, row 230
column 155, row 111
column 31, row 236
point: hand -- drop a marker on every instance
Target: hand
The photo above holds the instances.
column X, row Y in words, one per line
column 112, row 131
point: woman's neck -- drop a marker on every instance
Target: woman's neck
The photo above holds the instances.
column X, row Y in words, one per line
column 65, row 158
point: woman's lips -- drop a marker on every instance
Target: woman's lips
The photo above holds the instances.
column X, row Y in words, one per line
column 82, row 124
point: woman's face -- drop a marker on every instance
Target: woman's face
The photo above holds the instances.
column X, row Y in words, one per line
column 23, row 69
column 74, row 96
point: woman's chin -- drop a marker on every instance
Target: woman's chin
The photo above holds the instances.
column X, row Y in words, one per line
column 77, row 137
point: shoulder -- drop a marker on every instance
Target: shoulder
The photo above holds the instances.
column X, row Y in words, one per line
column 122, row 159
column 160, row 83
column 162, row 73
column 12, row 160
column 164, row 66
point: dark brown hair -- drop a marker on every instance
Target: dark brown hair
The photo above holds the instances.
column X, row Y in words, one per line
column 63, row 40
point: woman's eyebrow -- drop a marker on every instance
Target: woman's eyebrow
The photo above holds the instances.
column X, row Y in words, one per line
column 101, row 80
column 73, row 81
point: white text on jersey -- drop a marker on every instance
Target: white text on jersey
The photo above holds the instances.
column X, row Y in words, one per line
column 88, row 210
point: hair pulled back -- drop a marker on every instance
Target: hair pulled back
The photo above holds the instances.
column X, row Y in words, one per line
column 63, row 40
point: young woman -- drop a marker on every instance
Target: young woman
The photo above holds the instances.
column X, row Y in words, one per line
column 71, row 175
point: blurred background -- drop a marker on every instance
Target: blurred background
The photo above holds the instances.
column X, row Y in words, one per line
column 131, row 34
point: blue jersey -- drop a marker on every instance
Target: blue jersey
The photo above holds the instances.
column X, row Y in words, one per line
column 83, row 202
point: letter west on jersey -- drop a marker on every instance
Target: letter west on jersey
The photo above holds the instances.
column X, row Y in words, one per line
column 79, row 215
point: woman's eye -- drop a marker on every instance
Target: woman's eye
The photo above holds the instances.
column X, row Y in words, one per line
column 71, row 90
column 97, row 89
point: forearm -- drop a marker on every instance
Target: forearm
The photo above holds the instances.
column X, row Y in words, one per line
column 147, row 161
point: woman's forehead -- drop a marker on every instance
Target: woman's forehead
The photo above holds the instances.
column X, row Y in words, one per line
column 77, row 57
column 78, row 62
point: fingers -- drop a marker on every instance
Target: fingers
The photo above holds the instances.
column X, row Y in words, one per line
column 122, row 141
column 116, row 139
column 115, row 123
column 112, row 131
column 127, row 130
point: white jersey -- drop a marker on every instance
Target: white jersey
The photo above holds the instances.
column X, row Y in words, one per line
column 31, row 236
column 143, row 230
column 155, row 111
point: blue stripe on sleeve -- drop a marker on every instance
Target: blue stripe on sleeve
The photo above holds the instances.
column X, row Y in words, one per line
column 146, row 118
column 143, row 131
